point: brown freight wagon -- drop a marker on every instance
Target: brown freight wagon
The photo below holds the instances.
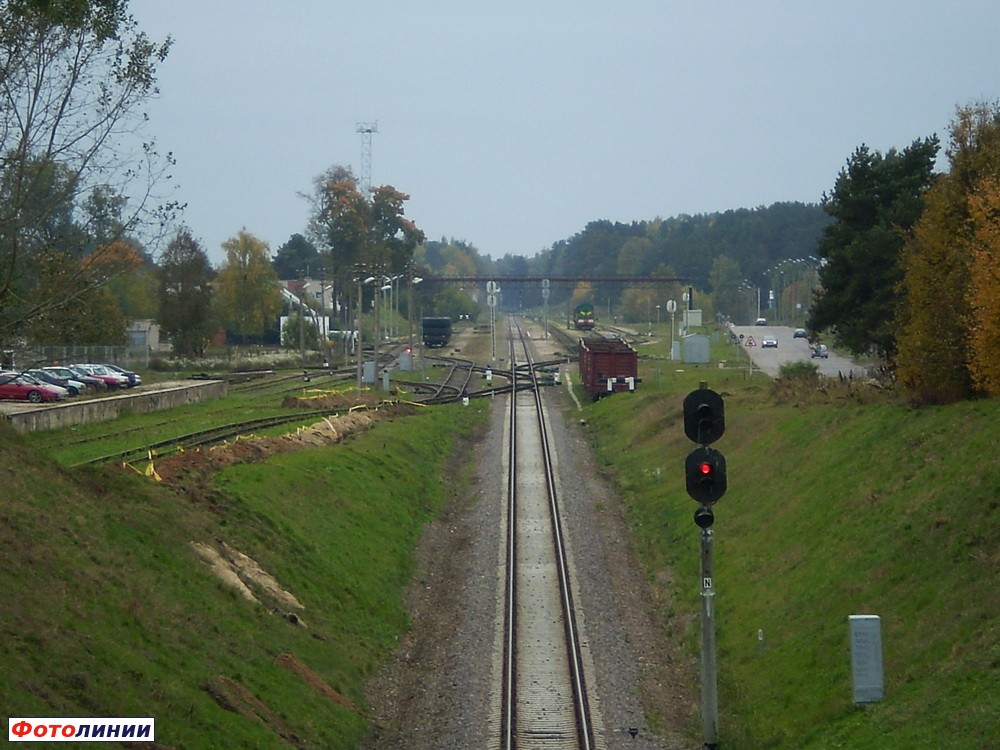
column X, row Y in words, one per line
column 608, row 366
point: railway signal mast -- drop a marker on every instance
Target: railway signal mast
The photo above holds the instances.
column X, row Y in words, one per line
column 492, row 290
column 705, row 470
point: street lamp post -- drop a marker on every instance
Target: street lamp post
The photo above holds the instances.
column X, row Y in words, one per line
column 357, row 326
column 414, row 280
column 378, row 330
column 395, row 301
column 302, row 320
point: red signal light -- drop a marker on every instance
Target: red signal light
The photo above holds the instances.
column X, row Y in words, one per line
column 705, row 469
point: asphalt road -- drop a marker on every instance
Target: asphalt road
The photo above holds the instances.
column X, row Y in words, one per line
column 790, row 349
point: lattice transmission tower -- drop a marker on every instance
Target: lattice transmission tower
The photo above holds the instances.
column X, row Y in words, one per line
column 366, row 129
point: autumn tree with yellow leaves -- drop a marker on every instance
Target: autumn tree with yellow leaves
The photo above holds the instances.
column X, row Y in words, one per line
column 949, row 290
column 983, row 297
column 247, row 289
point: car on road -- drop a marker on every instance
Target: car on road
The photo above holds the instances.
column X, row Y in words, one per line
column 820, row 351
column 761, row 322
column 769, row 342
column 800, row 333
column 22, row 387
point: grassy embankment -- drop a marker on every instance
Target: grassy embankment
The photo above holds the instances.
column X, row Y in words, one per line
column 108, row 611
column 835, row 507
column 839, row 503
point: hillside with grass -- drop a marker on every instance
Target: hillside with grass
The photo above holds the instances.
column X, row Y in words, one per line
column 840, row 502
column 245, row 609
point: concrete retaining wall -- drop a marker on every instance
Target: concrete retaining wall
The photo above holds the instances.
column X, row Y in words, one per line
column 149, row 398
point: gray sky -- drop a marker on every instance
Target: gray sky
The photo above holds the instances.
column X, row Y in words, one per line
column 511, row 125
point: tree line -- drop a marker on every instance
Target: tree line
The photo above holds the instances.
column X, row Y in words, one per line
column 911, row 269
column 897, row 261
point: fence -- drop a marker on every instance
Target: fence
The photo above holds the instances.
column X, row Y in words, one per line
column 129, row 357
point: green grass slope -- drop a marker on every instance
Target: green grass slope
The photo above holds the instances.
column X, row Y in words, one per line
column 106, row 609
column 836, row 506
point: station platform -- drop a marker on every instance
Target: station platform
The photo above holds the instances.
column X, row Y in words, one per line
column 143, row 399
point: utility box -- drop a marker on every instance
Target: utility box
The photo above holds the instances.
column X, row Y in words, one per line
column 866, row 658
column 696, row 348
column 692, row 319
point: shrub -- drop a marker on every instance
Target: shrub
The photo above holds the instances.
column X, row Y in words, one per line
column 798, row 371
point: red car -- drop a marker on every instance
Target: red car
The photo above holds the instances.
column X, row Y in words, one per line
column 112, row 379
column 13, row 386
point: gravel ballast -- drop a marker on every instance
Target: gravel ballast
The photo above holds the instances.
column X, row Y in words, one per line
column 437, row 690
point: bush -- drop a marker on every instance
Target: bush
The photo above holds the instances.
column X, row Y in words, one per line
column 798, row 371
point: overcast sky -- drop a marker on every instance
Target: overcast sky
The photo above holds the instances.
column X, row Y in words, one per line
column 512, row 125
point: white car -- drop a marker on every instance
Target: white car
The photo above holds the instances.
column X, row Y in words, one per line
column 113, row 379
column 769, row 342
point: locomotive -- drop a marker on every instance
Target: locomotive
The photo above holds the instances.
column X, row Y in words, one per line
column 583, row 317
column 436, row 331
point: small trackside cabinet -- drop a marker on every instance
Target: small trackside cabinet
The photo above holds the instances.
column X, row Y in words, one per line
column 866, row 658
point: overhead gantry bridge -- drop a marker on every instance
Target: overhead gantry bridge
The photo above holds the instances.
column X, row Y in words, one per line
column 621, row 279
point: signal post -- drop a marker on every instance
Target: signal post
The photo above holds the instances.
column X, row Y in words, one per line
column 705, row 475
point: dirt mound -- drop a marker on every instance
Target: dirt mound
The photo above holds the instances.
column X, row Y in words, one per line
column 233, row 696
column 295, row 666
column 188, row 471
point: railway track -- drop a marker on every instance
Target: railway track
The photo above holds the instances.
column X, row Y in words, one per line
column 544, row 701
column 209, row 436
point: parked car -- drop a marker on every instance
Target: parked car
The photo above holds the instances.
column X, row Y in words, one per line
column 800, row 333
column 820, row 351
column 75, row 387
column 16, row 386
column 32, row 380
column 134, row 378
column 113, row 379
column 83, row 376
column 769, row 342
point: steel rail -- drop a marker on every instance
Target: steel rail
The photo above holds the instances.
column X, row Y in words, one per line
column 207, row 436
column 508, row 726
column 534, row 735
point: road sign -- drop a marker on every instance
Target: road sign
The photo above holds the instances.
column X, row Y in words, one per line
column 750, row 341
column 491, row 300
column 671, row 305
column 492, row 287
